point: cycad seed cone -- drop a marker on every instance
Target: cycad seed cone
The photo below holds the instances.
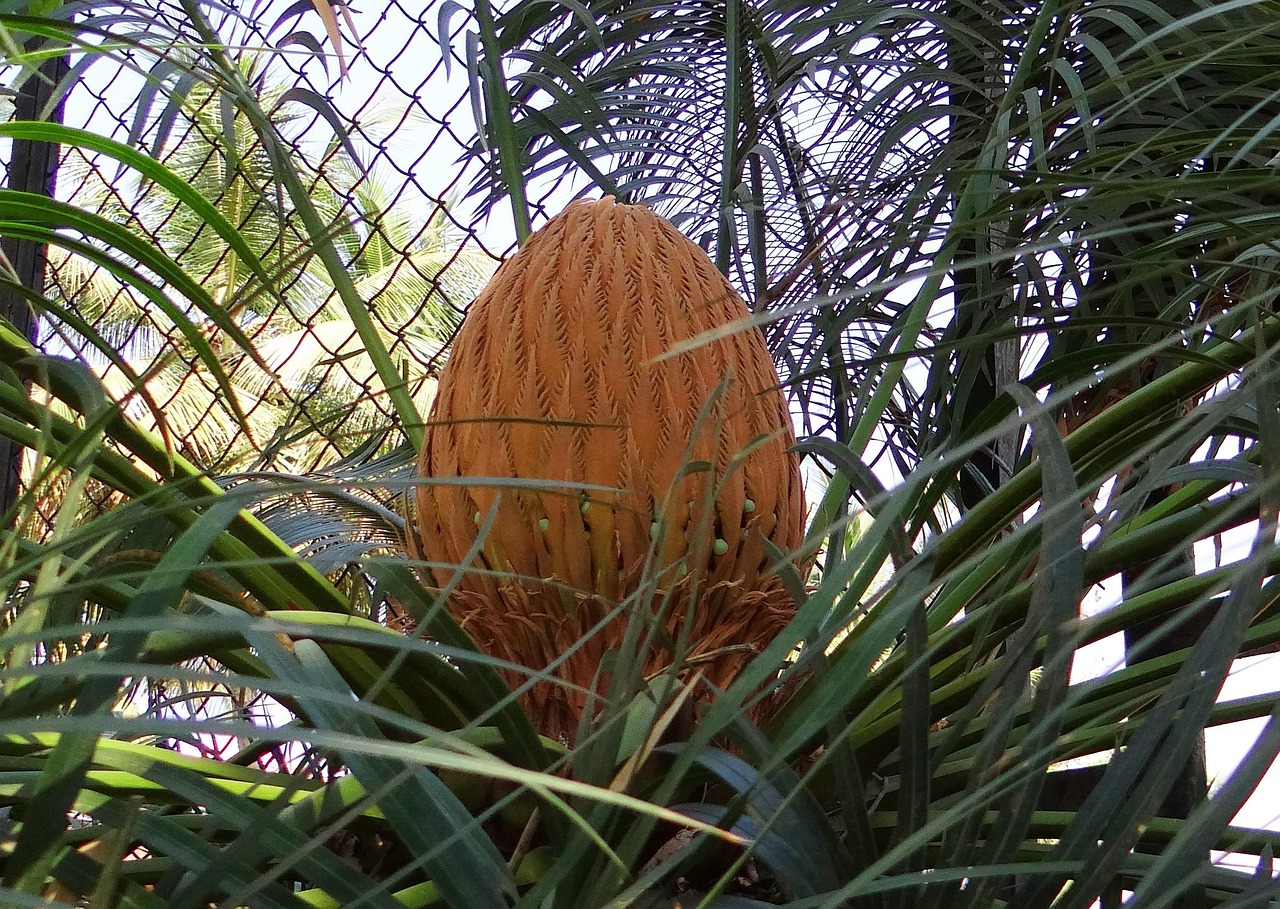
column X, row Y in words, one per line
column 554, row 379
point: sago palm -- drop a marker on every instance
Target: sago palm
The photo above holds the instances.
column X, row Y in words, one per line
column 657, row 476
column 1015, row 266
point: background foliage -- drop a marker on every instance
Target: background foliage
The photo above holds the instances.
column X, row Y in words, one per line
column 1015, row 263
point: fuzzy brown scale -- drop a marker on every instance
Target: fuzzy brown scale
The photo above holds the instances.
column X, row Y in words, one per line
column 554, row 379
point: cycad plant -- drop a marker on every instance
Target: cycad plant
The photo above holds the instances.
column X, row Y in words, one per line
column 676, row 478
column 1014, row 268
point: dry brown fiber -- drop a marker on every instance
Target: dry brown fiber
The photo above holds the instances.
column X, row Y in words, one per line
column 556, row 378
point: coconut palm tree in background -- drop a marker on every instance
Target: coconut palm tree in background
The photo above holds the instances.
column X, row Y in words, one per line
column 311, row 395
column 1015, row 262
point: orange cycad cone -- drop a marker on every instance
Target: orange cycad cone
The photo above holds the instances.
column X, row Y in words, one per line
column 554, row 379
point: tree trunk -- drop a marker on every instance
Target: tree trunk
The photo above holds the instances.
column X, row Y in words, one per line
column 33, row 169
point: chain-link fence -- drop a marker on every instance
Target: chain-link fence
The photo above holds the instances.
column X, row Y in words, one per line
column 374, row 126
column 374, row 109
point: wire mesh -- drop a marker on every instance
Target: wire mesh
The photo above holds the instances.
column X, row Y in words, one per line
column 374, row 126
column 375, row 113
